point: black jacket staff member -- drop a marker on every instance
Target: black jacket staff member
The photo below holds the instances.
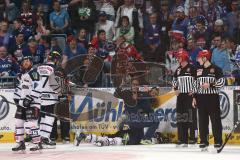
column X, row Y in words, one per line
column 209, row 81
column 183, row 81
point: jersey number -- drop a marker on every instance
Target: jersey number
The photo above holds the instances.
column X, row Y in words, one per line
column 45, row 78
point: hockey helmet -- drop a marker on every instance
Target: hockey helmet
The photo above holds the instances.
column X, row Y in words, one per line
column 204, row 53
column 183, row 54
column 54, row 55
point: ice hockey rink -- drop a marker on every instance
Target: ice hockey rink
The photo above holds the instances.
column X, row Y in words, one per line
column 140, row 152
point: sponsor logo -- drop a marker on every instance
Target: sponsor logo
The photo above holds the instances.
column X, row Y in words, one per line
column 224, row 104
column 4, row 107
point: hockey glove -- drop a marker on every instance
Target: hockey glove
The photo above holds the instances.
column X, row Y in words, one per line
column 27, row 102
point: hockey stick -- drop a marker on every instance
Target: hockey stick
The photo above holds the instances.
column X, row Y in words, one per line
column 51, row 114
column 228, row 137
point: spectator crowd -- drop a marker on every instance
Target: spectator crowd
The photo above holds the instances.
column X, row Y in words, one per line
column 145, row 31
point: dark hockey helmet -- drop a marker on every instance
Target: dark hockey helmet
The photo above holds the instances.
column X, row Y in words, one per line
column 183, row 54
column 204, row 53
column 54, row 56
column 27, row 58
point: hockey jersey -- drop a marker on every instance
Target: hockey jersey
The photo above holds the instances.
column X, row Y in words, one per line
column 48, row 84
column 8, row 67
column 28, row 88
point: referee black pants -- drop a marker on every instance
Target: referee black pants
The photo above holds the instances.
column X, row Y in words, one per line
column 209, row 106
column 185, row 117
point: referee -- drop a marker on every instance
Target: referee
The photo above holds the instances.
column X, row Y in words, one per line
column 183, row 81
column 209, row 81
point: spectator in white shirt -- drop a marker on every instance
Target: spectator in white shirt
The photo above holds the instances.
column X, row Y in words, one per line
column 106, row 25
column 108, row 8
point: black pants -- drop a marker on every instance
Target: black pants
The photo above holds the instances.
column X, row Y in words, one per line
column 62, row 109
column 209, row 106
column 186, row 118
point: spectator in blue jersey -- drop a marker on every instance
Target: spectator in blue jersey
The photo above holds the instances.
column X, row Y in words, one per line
column 181, row 22
column 59, row 19
column 194, row 16
column 34, row 50
column 7, row 66
column 18, row 26
column 220, row 56
column 152, row 39
column 72, row 49
column 193, row 51
column 4, row 35
column 16, row 46
column 102, row 45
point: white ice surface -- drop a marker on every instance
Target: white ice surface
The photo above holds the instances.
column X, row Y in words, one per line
column 140, row 152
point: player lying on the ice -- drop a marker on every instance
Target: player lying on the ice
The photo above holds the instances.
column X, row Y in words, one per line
column 137, row 115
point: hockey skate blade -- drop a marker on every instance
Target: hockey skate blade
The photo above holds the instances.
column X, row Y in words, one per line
column 48, row 147
column 204, row 149
column 19, row 152
column 36, row 152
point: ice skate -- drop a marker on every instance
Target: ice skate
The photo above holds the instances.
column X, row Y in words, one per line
column 79, row 138
column 21, row 148
column 203, row 147
column 48, row 144
column 66, row 140
column 36, row 147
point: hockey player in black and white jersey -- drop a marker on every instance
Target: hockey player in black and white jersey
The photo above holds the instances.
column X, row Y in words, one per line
column 183, row 81
column 209, row 81
column 50, row 91
column 27, row 99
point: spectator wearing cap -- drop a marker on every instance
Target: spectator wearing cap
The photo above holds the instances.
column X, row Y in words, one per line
column 218, row 28
column 220, row 56
column 83, row 15
column 193, row 51
column 7, row 66
column 16, row 46
column 125, row 30
column 72, row 49
column 104, row 24
column 59, row 19
column 173, row 9
column 108, row 8
column 153, row 41
column 4, row 35
column 181, row 22
column 232, row 18
column 18, row 26
column 34, row 50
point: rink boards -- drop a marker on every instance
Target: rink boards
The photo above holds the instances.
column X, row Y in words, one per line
column 98, row 111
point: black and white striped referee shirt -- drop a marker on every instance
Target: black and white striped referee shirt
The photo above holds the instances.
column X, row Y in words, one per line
column 184, row 78
column 212, row 75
